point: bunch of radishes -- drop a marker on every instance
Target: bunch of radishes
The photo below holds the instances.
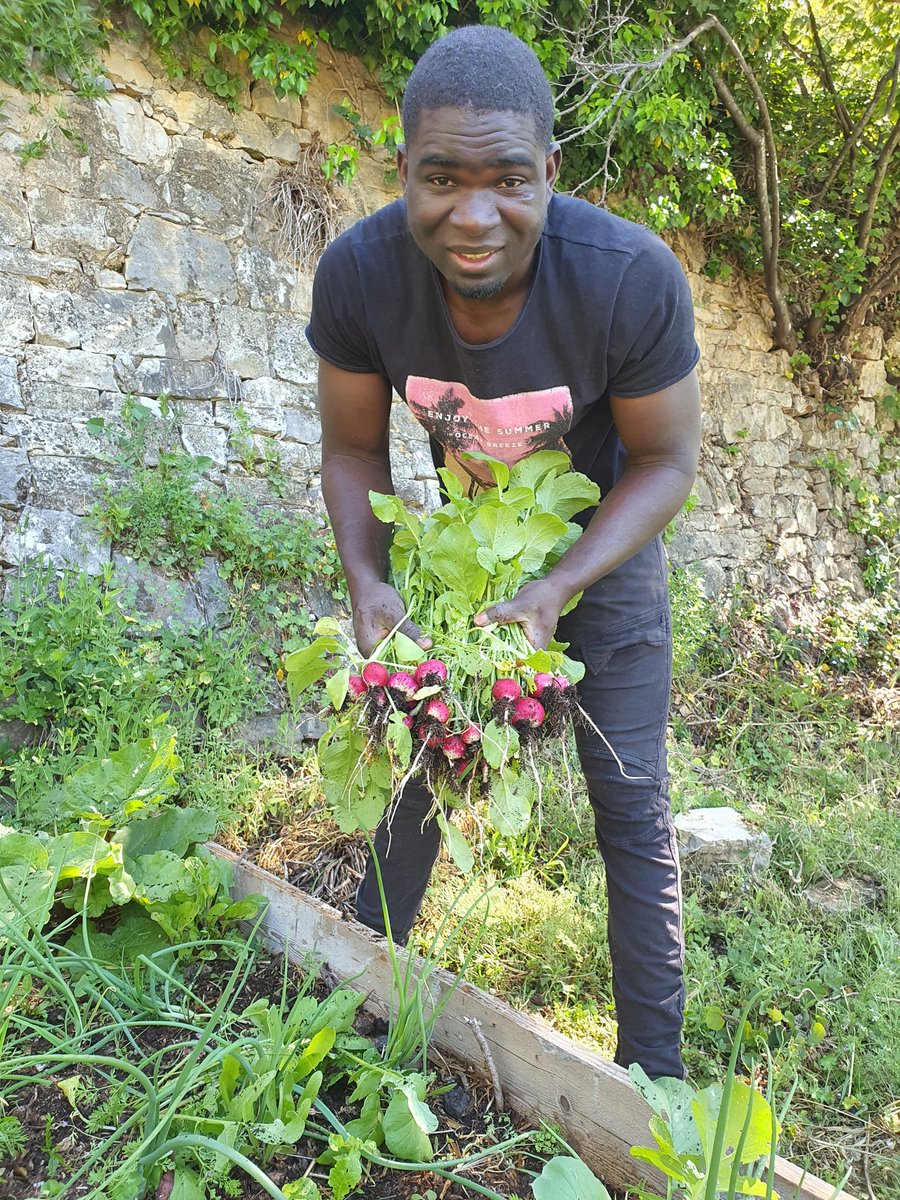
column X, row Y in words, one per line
column 544, row 710
column 446, row 733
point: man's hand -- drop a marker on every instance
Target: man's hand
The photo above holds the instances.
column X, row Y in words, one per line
column 536, row 607
column 376, row 613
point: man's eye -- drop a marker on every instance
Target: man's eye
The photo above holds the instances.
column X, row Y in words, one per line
column 440, row 180
column 511, row 182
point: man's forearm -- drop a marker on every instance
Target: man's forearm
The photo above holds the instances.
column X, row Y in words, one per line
column 639, row 507
column 362, row 540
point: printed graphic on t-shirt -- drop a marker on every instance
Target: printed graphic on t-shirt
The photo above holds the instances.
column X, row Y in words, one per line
column 507, row 427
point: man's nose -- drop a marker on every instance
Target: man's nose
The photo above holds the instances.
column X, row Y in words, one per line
column 475, row 210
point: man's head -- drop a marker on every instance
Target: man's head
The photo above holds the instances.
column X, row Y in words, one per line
column 483, row 69
column 479, row 163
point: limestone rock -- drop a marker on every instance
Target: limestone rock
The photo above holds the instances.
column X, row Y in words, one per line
column 212, row 594
column 15, row 225
column 124, row 65
column 285, row 108
column 139, row 138
column 59, row 538
column 75, row 368
column 278, row 733
column 871, row 378
column 168, row 258
column 840, row 896
column 264, row 402
column 211, row 186
column 67, row 224
column 15, row 475
column 203, row 113
column 301, row 424
column 154, row 594
column 55, row 320
column 195, row 331
column 181, row 380
column 244, row 340
column 121, row 179
column 292, row 356
column 717, row 839
column 206, row 441
column 267, row 283
column 125, row 323
column 62, row 401
column 64, row 437
column 16, row 322
column 869, row 343
column 66, row 481
column 10, row 393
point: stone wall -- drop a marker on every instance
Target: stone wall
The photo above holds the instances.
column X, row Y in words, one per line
column 139, row 254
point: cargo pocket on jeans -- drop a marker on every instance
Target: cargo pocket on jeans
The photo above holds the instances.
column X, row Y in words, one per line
column 652, row 629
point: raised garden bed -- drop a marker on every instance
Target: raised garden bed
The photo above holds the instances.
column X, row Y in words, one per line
column 544, row 1075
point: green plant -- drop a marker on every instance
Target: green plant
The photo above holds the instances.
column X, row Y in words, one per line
column 118, row 841
column 449, row 567
column 706, row 1139
column 341, row 162
column 42, row 39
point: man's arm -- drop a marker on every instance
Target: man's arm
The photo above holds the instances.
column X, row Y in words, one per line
column 661, row 433
column 355, row 412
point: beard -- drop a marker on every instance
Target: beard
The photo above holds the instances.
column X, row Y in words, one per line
column 477, row 291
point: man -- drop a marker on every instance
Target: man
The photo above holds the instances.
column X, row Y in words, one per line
column 511, row 319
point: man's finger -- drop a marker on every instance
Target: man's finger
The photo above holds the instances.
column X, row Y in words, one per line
column 498, row 614
column 415, row 634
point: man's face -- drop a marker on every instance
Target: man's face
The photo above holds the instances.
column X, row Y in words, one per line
column 477, row 186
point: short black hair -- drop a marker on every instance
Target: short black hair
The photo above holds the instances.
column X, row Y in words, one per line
column 484, row 69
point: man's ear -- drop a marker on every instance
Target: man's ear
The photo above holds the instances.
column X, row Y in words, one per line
column 402, row 166
column 554, row 158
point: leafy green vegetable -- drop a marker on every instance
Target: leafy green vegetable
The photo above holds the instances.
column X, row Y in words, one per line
column 565, row 1178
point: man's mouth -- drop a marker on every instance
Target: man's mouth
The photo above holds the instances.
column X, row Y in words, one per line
column 475, row 257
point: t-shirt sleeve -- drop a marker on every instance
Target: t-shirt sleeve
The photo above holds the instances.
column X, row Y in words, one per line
column 652, row 342
column 337, row 329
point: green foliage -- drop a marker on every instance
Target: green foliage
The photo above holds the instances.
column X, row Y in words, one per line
column 168, row 514
column 43, row 38
column 118, row 842
column 214, row 39
column 77, row 661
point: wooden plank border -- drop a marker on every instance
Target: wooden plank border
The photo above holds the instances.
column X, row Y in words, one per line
column 544, row 1074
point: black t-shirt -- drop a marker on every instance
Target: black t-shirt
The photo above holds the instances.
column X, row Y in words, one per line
column 609, row 310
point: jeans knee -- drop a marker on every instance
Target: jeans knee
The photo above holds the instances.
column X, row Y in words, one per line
column 630, row 812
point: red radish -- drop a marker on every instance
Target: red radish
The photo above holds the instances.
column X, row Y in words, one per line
column 377, row 697
column 375, row 674
column 471, row 734
column 437, row 710
column 408, row 721
column 506, row 690
column 453, row 747
column 541, row 681
column 561, row 682
column 529, row 712
column 403, row 687
column 428, row 733
column 356, row 687
column 431, row 673
column 461, row 767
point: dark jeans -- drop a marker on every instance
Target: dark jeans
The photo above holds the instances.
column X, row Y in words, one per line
column 621, row 630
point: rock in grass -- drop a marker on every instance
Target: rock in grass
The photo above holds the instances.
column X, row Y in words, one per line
column 716, row 840
column 839, row 896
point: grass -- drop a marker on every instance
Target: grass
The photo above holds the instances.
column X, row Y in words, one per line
column 798, row 750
